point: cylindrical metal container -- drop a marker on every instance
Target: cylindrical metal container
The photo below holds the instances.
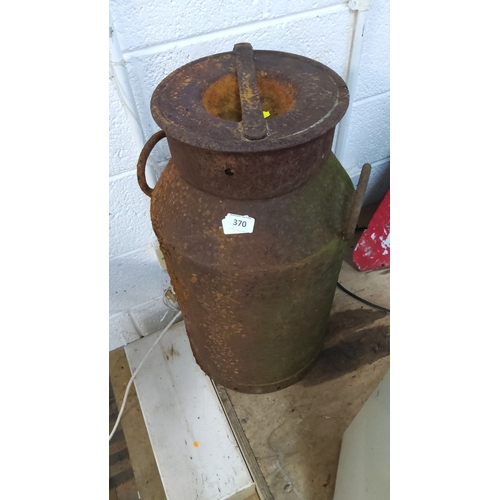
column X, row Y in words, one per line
column 256, row 305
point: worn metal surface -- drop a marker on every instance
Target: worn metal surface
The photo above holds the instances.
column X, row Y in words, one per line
column 252, row 118
column 199, row 108
column 358, row 201
column 247, row 299
column 143, row 158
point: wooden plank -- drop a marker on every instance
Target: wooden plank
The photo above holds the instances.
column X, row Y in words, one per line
column 147, row 477
column 127, row 491
column 195, row 450
column 118, row 443
column 262, row 488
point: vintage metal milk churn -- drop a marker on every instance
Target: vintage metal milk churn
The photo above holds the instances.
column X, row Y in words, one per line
column 251, row 211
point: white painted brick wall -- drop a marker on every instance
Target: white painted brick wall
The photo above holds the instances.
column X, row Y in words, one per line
column 369, row 120
column 121, row 330
column 282, row 8
column 368, row 137
column 122, row 157
column 150, row 317
column 129, row 220
column 156, row 37
column 143, row 23
column 374, row 68
column 379, row 182
column 135, row 278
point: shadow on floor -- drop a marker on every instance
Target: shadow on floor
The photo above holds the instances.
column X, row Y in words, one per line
column 354, row 338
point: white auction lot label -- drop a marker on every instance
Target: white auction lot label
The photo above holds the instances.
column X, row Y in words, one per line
column 236, row 224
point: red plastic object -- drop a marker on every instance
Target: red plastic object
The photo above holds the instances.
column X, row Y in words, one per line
column 373, row 250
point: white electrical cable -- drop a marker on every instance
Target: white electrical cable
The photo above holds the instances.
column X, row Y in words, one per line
column 137, row 371
column 170, row 304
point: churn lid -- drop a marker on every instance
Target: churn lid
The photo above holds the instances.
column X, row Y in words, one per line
column 219, row 102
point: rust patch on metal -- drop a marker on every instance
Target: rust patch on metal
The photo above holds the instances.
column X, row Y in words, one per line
column 276, row 97
column 256, row 306
column 222, row 98
column 253, row 122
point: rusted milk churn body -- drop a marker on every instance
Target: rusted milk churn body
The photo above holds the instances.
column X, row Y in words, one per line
column 256, row 304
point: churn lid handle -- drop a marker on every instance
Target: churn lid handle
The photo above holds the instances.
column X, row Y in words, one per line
column 254, row 123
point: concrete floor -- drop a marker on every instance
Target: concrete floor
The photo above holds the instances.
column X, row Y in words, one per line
column 296, row 433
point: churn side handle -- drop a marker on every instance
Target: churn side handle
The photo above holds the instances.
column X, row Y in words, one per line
column 143, row 158
column 357, row 202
